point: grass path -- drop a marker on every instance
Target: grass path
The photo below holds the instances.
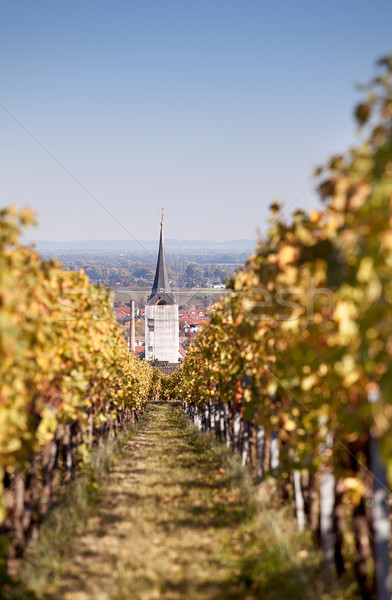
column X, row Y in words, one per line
column 164, row 522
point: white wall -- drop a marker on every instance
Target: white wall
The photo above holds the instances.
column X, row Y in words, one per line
column 163, row 342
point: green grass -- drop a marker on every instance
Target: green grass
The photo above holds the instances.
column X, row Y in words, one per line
column 176, row 517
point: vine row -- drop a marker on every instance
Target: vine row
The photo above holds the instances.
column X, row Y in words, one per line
column 294, row 367
column 68, row 381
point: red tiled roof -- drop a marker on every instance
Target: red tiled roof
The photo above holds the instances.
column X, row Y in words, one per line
column 193, row 319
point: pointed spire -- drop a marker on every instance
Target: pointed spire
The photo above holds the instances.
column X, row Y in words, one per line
column 161, row 288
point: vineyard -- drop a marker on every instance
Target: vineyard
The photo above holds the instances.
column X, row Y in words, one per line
column 292, row 373
column 68, row 381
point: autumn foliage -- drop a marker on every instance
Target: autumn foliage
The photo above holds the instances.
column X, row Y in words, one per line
column 67, row 377
column 302, row 344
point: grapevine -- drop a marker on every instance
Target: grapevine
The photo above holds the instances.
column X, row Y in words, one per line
column 68, row 378
column 301, row 347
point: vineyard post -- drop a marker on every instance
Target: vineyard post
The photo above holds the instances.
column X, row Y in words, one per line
column 199, row 417
column 274, row 450
column 339, row 525
column 260, row 434
column 299, row 500
column 207, row 416
column 222, row 420
column 274, row 460
column 237, row 426
column 211, row 409
column 327, row 502
column 327, row 487
column 381, row 522
column 245, row 441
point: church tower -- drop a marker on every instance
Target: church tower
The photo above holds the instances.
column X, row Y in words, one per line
column 161, row 315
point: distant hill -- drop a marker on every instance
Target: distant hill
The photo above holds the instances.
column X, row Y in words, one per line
column 171, row 245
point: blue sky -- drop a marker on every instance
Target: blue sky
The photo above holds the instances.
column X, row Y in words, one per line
column 211, row 108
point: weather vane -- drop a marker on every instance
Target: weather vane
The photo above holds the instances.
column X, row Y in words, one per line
column 162, row 209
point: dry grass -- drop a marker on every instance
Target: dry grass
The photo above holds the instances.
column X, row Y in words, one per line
column 44, row 556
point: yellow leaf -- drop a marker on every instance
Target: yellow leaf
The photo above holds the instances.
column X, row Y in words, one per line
column 354, row 488
column 365, row 270
column 290, row 425
column 286, row 255
column 308, row 382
